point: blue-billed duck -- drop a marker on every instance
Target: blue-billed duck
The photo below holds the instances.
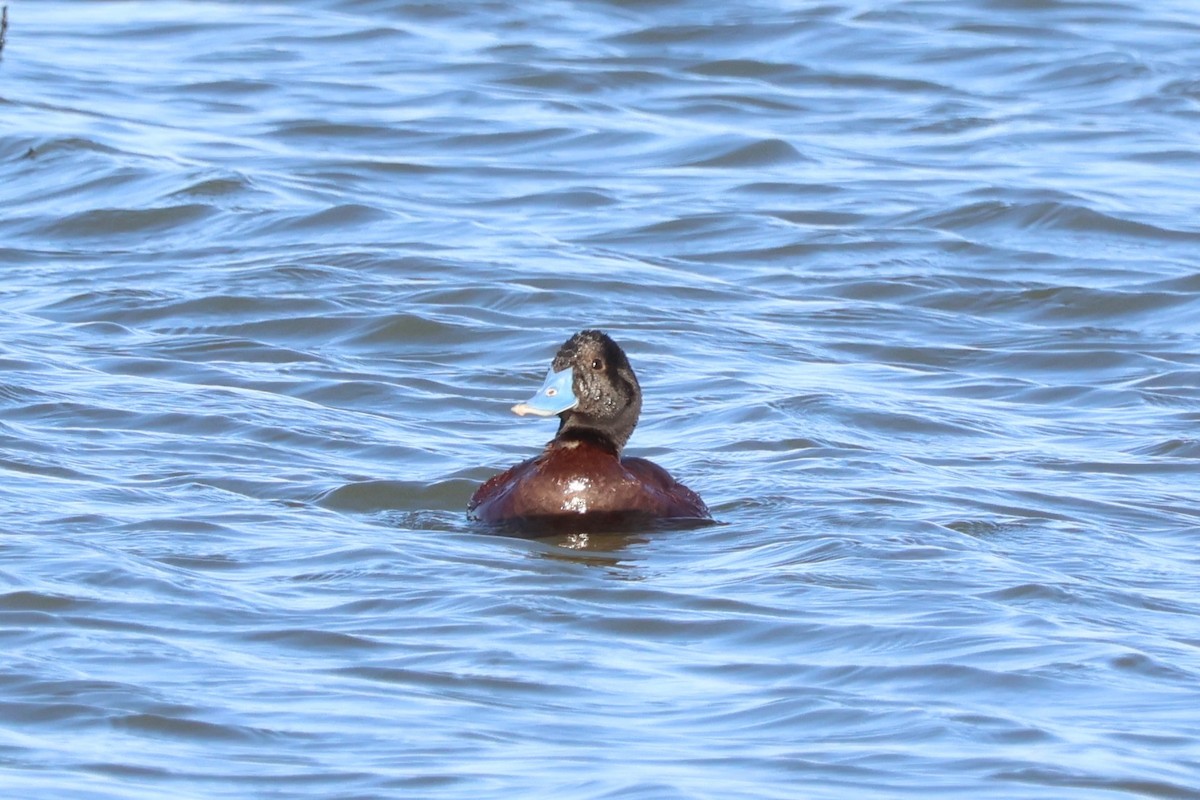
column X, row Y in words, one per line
column 581, row 473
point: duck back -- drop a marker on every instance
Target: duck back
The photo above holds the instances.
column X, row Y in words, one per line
column 573, row 477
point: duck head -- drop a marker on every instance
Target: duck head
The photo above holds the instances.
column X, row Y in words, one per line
column 592, row 389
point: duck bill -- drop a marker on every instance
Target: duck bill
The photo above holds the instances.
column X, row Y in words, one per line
column 555, row 396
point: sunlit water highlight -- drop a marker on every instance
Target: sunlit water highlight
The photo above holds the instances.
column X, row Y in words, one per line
column 911, row 289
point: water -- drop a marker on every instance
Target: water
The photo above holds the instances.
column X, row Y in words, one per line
column 912, row 291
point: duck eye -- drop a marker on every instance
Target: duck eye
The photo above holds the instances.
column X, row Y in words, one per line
column 597, row 364
column 551, row 392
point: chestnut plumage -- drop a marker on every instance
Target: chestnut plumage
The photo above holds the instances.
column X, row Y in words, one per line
column 592, row 389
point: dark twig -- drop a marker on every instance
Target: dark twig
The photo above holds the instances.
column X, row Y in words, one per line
column 3, row 27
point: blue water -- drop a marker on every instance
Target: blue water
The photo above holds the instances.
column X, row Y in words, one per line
column 913, row 293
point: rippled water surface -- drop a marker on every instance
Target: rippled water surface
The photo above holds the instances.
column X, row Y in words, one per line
column 912, row 290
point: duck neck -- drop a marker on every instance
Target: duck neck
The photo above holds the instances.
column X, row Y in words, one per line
column 578, row 428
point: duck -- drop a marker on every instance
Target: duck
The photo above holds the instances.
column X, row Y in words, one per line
column 581, row 474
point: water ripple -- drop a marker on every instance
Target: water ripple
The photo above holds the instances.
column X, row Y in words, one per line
column 910, row 289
